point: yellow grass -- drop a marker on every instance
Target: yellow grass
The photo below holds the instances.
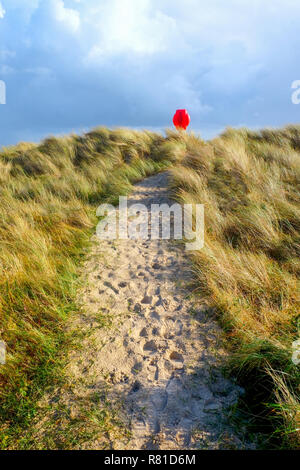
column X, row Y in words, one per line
column 49, row 194
column 249, row 268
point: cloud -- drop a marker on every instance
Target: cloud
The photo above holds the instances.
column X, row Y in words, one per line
column 127, row 25
column 72, row 64
column 68, row 17
column 2, row 11
column 53, row 14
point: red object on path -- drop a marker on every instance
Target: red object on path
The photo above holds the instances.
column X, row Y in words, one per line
column 181, row 119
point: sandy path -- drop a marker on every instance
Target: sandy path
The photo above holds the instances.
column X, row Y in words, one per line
column 159, row 359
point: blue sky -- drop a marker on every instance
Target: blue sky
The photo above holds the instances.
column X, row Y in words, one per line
column 69, row 65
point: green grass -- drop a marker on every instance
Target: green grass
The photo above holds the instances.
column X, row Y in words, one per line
column 249, row 268
column 49, row 194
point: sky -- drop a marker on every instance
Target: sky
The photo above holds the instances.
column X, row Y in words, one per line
column 70, row 65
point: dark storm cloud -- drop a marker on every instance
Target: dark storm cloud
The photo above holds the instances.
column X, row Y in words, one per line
column 76, row 64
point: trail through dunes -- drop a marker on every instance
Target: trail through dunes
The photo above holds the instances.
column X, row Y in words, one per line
column 150, row 350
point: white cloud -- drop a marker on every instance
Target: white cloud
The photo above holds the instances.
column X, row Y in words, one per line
column 135, row 26
column 51, row 14
column 67, row 16
column 2, row 11
column 21, row 9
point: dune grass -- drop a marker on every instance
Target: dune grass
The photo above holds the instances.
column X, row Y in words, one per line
column 249, row 268
column 49, row 193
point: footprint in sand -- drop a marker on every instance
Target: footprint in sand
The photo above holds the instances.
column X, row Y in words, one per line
column 150, row 346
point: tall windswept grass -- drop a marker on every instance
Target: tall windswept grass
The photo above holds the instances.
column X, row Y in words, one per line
column 49, row 193
column 249, row 268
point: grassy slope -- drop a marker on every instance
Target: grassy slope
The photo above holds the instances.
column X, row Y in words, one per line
column 249, row 268
column 49, row 194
